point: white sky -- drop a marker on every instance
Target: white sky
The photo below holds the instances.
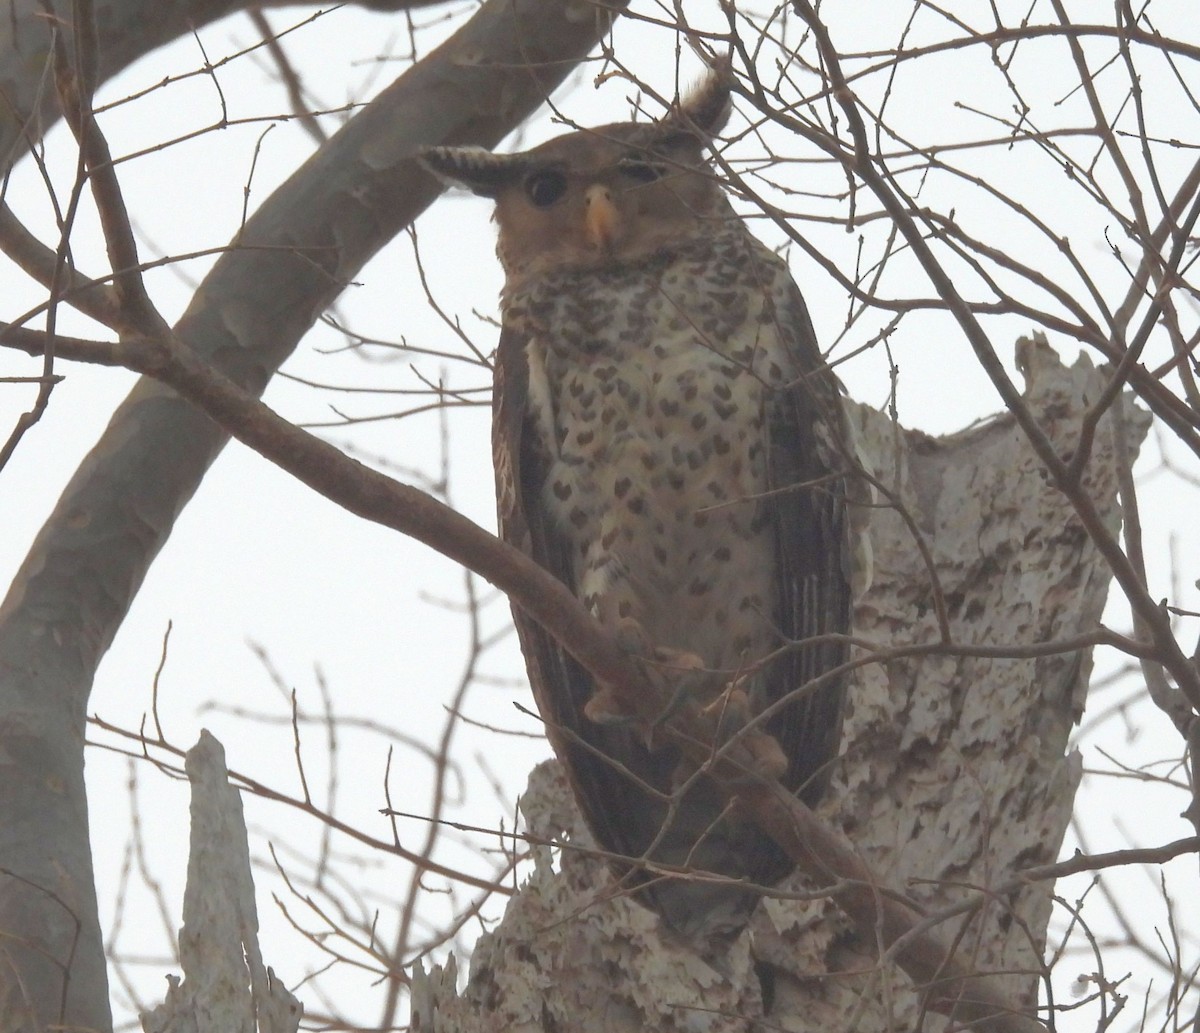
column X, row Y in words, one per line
column 258, row 558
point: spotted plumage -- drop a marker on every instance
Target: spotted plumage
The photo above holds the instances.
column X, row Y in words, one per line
column 655, row 450
column 670, row 445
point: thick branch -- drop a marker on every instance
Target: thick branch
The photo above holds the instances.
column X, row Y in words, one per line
column 127, row 30
column 292, row 259
column 373, row 496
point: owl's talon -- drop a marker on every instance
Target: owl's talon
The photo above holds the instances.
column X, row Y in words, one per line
column 693, row 683
column 765, row 760
column 756, row 752
column 607, row 708
column 731, row 706
column 631, row 637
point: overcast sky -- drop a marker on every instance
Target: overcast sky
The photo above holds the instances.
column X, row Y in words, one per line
column 258, row 559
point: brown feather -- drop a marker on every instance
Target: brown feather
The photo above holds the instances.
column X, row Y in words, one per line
column 659, row 392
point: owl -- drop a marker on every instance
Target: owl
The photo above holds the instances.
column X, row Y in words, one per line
column 670, row 444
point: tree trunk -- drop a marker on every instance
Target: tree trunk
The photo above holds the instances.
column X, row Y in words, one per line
column 955, row 773
column 294, row 256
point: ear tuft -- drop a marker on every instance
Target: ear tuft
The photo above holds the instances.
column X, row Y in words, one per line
column 708, row 107
column 476, row 168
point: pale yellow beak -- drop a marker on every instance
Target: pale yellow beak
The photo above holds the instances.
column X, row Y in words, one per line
column 601, row 219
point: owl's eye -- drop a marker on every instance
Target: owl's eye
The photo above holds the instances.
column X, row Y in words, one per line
column 641, row 171
column 545, row 187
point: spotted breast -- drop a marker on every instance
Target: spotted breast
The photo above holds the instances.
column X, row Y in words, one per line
column 649, row 388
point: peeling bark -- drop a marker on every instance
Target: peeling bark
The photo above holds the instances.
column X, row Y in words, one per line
column 226, row 987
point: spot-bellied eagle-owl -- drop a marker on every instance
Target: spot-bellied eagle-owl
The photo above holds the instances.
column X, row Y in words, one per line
column 669, row 443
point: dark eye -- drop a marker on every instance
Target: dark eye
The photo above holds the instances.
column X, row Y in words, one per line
column 641, row 171
column 546, row 187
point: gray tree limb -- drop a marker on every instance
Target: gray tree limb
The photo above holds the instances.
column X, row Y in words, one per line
column 294, row 256
column 128, row 29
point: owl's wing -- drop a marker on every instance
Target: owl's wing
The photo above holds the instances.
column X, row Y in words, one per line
column 624, row 818
column 808, row 471
column 620, row 786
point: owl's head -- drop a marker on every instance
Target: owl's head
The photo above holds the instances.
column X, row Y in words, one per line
column 601, row 197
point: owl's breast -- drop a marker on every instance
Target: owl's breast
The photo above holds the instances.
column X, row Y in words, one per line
column 650, row 390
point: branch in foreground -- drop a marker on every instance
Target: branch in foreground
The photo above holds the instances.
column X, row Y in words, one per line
column 293, row 257
column 881, row 920
column 128, row 30
column 866, row 164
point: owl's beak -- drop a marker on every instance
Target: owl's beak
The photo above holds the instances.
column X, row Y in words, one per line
column 601, row 219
